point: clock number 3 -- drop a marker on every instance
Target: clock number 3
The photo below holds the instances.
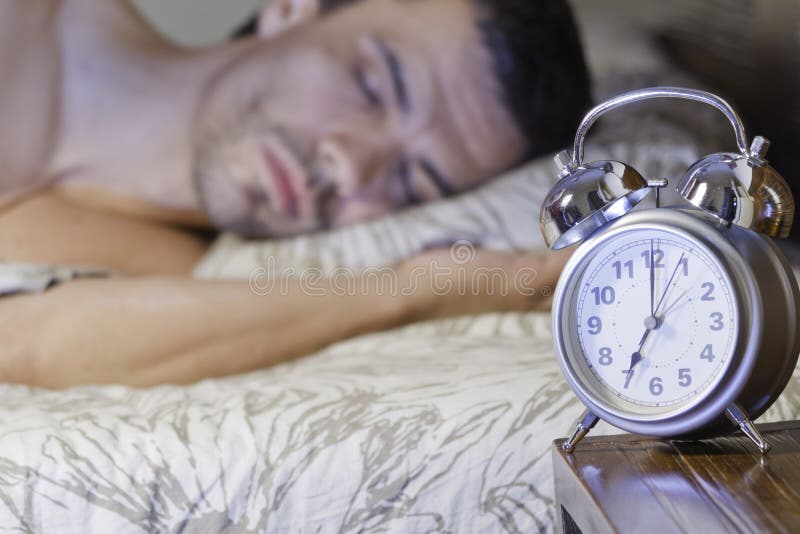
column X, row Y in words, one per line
column 717, row 324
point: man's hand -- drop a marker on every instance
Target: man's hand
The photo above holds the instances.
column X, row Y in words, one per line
column 470, row 281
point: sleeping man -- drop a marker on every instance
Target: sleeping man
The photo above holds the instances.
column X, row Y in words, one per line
column 118, row 148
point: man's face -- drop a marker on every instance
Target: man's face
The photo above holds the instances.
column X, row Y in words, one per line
column 380, row 105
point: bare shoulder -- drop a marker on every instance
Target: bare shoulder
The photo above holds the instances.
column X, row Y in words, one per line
column 47, row 228
column 29, row 99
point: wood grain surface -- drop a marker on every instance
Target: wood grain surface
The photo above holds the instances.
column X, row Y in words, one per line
column 636, row 484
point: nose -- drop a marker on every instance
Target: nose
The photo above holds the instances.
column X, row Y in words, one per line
column 350, row 163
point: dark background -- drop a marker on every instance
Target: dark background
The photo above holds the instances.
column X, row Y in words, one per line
column 748, row 51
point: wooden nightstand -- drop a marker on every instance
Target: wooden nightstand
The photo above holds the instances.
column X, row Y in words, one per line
column 634, row 484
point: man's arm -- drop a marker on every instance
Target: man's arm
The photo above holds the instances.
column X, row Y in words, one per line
column 149, row 331
column 49, row 228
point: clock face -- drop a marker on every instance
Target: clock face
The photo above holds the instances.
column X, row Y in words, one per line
column 652, row 321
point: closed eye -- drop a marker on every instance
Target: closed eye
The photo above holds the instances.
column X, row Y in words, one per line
column 368, row 86
column 442, row 184
column 404, row 174
column 422, row 181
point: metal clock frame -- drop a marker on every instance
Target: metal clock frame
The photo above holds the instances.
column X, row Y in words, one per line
column 760, row 326
column 732, row 202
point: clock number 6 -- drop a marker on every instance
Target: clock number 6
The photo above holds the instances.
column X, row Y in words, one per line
column 656, row 387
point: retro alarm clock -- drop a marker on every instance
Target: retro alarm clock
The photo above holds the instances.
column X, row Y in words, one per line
column 678, row 322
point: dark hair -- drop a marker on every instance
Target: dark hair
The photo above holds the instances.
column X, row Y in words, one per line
column 538, row 61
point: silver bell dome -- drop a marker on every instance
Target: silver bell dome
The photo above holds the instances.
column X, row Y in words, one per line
column 587, row 199
column 741, row 190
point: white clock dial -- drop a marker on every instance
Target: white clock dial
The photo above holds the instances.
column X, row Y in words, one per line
column 654, row 320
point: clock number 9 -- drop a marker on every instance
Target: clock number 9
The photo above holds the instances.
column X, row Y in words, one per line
column 595, row 325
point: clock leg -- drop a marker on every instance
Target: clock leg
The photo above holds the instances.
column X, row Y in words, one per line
column 741, row 418
column 588, row 422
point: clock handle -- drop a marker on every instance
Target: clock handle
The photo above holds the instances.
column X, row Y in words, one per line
column 741, row 418
column 649, row 94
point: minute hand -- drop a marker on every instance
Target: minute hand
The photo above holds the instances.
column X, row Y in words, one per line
column 637, row 357
column 652, row 280
column 666, row 288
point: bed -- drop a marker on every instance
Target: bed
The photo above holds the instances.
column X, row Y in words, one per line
column 437, row 427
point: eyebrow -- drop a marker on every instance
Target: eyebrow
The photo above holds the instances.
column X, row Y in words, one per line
column 397, row 74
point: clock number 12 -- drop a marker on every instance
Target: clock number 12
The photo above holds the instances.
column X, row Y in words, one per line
column 657, row 259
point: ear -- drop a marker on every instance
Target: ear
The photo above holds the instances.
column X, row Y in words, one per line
column 281, row 15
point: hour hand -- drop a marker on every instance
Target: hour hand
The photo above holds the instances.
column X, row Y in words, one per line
column 636, row 357
column 643, row 340
column 650, row 324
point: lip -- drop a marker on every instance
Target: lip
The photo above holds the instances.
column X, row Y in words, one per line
column 286, row 184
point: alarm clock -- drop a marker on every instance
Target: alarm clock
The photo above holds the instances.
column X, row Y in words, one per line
column 678, row 322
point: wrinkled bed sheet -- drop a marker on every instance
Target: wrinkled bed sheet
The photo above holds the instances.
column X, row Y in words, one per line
column 442, row 427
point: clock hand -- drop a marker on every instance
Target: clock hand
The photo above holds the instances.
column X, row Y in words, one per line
column 637, row 357
column 652, row 322
column 652, row 281
column 666, row 288
column 674, row 303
